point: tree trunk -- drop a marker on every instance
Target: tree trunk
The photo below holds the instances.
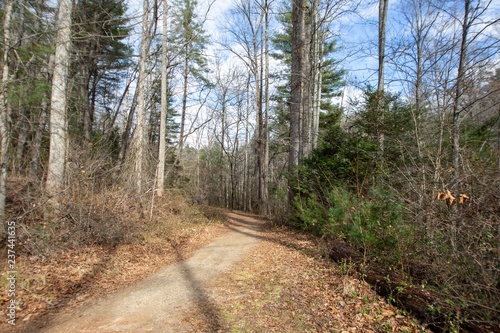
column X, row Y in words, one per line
column 160, row 183
column 84, row 92
column 140, row 133
column 259, row 107
column 22, row 138
column 5, row 120
column 37, row 143
column 297, row 93
column 58, row 122
column 264, row 160
column 317, row 55
column 184, row 106
column 305, row 117
column 419, row 64
column 382, row 23
column 458, row 95
column 247, row 183
column 127, row 126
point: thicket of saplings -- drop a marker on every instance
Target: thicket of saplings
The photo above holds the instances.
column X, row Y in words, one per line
column 383, row 203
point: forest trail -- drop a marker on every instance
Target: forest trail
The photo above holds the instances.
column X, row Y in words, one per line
column 156, row 303
column 255, row 277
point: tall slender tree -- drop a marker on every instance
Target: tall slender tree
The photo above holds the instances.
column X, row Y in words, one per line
column 383, row 8
column 264, row 209
column 472, row 26
column 58, row 105
column 468, row 19
column 160, row 178
column 189, row 34
column 140, row 142
column 314, row 79
column 5, row 112
column 298, row 93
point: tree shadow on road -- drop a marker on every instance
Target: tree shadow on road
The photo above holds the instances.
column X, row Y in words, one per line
column 206, row 306
column 255, row 226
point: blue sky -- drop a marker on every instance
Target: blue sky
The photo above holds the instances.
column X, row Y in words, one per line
column 356, row 36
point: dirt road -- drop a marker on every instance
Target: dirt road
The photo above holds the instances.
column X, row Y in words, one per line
column 156, row 303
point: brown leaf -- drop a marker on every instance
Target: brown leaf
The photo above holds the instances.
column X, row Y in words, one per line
column 462, row 199
column 388, row 313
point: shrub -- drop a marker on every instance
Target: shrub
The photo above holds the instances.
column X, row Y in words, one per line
column 374, row 224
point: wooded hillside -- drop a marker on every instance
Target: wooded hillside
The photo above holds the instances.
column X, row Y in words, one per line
column 251, row 105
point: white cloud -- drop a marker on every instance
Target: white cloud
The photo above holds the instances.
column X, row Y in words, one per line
column 218, row 9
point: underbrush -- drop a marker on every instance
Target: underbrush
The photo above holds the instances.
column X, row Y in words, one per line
column 444, row 267
column 373, row 226
column 101, row 216
column 102, row 207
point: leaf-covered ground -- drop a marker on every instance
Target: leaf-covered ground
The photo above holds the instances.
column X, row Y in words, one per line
column 284, row 285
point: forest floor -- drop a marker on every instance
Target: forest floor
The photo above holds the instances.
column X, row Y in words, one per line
column 243, row 276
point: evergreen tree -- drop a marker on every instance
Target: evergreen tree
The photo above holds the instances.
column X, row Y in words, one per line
column 101, row 28
column 189, row 35
column 331, row 75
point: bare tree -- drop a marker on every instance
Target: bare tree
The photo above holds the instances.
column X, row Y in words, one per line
column 320, row 17
column 5, row 113
column 472, row 28
column 160, row 182
column 247, row 182
column 317, row 45
column 140, row 133
column 249, row 30
column 58, row 104
column 264, row 209
column 299, row 92
column 466, row 25
column 413, row 56
column 382, row 26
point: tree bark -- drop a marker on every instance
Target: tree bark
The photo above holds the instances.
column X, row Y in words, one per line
column 307, row 78
column 140, row 134
column 297, row 93
column 458, row 95
column 160, row 183
column 58, row 122
column 247, row 204
column 22, row 138
column 128, row 122
column 382, row 23
column 37, row 143
column 316, row 55
column 258, row 77
column 84, row 91
column 185, row 77
column 264, row 159
column 5, row 120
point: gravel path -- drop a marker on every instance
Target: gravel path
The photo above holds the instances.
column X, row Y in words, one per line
column 156, row 303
